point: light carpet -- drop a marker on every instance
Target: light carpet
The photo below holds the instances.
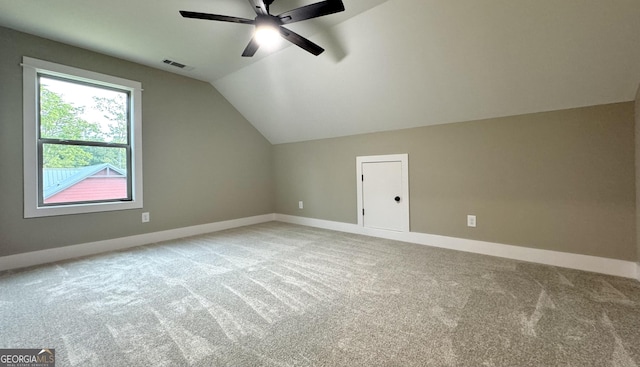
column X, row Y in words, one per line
column 280, row 295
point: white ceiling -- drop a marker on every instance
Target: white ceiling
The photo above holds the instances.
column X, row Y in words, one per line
column 389, row 64
column 147, row 32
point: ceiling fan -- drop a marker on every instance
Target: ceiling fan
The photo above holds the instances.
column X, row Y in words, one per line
column 268, row 25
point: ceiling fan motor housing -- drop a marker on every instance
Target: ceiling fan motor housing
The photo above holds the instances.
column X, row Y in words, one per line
column 268, row 21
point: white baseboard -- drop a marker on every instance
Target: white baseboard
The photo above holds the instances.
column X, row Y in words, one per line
column 596, row 264
column 627, row 269
column 92, row 248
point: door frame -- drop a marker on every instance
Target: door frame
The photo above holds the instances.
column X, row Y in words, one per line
column 404, row 160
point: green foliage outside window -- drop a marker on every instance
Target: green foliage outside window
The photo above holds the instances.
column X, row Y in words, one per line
column 61, row 120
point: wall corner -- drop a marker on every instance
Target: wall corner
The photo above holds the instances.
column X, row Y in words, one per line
column 637, row 165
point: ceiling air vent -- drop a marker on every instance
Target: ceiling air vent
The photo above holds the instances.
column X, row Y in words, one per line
column 177, row 64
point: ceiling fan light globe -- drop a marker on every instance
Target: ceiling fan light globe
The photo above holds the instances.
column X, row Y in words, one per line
column 267, row 36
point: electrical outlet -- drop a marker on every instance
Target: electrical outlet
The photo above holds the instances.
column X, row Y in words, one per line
column 471, row 221
column 145, row 217
column 300, row 205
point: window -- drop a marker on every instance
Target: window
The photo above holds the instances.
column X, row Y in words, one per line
column 82, row 141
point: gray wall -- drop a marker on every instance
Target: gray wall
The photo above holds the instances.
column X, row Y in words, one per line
column 637, row 144
column 203, row 162
column 560, row 180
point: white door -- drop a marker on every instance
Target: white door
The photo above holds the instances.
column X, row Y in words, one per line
column 384, row 201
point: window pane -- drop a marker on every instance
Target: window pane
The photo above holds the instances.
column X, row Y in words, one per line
column 73, row 173
column 74, row 111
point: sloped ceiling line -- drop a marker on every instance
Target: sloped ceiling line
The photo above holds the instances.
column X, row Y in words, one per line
column 389, row 64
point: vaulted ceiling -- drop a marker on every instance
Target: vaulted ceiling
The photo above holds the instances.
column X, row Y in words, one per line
column 389, row 64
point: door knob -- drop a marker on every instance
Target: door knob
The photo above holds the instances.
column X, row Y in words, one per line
column 397, row 199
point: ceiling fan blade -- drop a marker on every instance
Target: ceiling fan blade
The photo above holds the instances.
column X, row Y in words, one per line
column 251, row 48
column 259, row 7
column 312, row 11
column 300, row 41
column 222, row 18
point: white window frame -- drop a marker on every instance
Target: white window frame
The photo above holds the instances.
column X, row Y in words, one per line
column 31, row 68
